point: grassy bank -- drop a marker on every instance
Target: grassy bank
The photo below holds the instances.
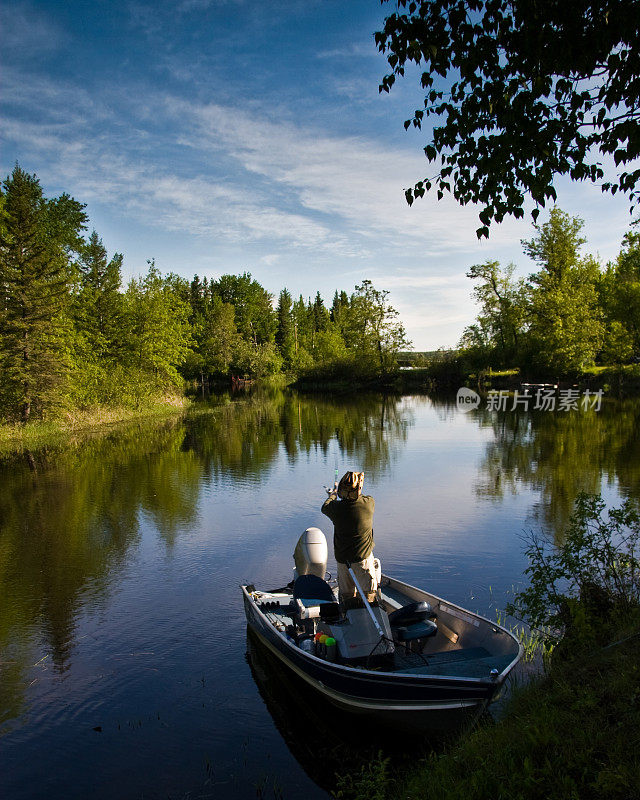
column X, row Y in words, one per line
column 17, row 438
column 573, row 735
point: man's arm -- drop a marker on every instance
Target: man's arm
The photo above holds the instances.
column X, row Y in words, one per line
column 328, row 505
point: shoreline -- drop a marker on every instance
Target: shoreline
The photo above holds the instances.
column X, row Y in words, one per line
column 17, row 438
column 446, row 377
column 556, row 739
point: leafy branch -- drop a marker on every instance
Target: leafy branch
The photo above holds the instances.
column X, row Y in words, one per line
column 595, row 570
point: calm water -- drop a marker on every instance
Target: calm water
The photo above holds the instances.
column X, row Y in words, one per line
column 123, row 649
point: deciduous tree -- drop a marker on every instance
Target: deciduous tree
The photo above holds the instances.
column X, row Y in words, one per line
column 375, row 327
column 520, row 93
column 254, row 313
column 158, row 329
column 566, row 328
column 502, row 311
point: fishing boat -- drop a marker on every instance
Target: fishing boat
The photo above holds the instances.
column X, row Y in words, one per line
column 407, row 656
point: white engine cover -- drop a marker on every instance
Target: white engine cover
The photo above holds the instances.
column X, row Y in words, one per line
column 311, row 553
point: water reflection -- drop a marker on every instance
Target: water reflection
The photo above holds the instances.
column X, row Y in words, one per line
column 320, row 735
column 243, row 439
column 70, row 517
column 561, row 454
column 126, row 543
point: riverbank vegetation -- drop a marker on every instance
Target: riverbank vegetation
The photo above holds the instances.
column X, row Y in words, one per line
column 563, row 320
column 574, row 732
column 78, row 344
column 75, row 339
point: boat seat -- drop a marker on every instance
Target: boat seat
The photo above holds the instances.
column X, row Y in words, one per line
column 419, row 630
column 312, row 590
column 411, row 614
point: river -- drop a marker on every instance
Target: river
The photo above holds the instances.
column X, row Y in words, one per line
column 123, row 647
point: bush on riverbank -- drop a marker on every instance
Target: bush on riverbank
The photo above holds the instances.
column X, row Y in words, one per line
column 569, row 736
column 346, row 375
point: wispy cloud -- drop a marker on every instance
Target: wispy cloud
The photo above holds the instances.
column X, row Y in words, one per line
column 27, row 30
column 234, row 174
column 248, row 175
column 352, row 179
column 357, row 49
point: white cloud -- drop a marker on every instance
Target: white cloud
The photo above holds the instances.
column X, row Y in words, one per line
column 353, row 179
column 248, row 176
column 257, row 179
column 27, row 30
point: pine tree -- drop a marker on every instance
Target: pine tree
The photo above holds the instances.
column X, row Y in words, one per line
column 285, row 338
column 99, row 303
column 37, row 242
column 320, row 314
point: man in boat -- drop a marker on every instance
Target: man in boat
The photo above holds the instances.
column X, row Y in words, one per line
column 352, row 517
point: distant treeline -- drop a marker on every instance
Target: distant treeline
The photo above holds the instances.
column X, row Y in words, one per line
column 562, row 319
column 73, row 337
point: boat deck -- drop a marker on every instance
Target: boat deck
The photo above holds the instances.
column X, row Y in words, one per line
column 470, row 662
column 440, row 657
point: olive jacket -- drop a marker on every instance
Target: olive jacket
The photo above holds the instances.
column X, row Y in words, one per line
column 352, row 527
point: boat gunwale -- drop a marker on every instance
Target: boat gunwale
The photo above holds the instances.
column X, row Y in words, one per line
column 382, row 705
column 497, row 625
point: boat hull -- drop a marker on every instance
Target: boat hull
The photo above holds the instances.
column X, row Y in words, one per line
column 388, row 695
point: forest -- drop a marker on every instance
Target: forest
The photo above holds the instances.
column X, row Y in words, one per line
column 74, row 337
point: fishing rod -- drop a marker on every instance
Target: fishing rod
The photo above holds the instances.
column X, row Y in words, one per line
column 335, row 483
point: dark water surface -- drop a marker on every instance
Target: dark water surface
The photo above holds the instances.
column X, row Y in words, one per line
column 123, row 646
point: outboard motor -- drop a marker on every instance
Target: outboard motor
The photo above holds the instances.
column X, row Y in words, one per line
column 311, row 554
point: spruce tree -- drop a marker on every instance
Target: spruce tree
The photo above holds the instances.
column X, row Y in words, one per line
column 100, row 303
column 285, row 338
column 38, row 239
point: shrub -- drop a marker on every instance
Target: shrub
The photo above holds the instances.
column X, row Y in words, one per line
column 592, row 573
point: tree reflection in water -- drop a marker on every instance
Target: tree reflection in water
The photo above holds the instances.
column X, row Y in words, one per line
column 560, row 454
column 69, row 516
column 242, row 439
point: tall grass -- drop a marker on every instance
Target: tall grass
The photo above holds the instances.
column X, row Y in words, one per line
column 17, row 438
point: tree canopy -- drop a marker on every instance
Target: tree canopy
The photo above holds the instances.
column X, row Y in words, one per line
column 521, row 93
column 565, row 317
column 38, row 241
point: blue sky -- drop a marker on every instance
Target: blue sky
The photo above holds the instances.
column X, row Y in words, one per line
column 220, row 136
